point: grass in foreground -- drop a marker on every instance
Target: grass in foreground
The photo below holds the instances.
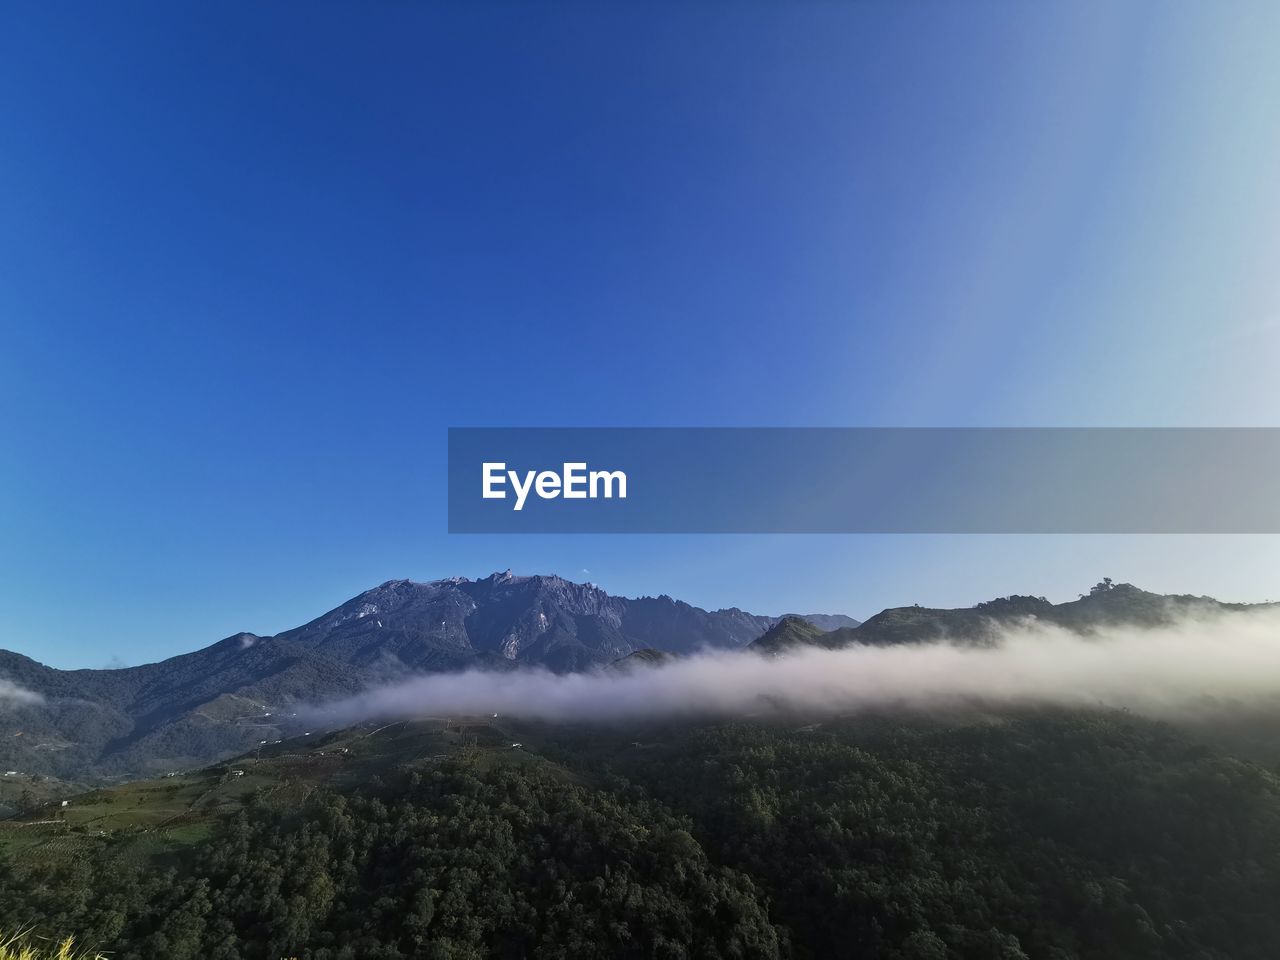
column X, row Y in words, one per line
column 21, row 947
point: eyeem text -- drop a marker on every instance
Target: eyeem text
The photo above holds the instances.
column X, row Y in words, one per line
column 573, row 482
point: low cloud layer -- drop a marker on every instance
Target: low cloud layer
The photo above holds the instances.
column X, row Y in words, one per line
column 12, row 695
column 1162, row 671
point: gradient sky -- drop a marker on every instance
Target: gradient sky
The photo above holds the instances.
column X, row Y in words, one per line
column 258, row 257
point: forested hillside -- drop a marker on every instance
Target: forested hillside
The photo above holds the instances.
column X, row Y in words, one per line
column 1038, row 834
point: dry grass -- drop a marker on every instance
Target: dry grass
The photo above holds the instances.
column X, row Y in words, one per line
column 23, row 946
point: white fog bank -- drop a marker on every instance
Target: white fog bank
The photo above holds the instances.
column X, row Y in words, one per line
column 1162, row 671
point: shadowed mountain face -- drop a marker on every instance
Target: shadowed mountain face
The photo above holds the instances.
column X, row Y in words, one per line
column 825, row 621
column 640, row 660
column 243, row 690
column 791, row 632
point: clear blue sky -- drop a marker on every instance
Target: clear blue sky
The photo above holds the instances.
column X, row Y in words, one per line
column 258, row 256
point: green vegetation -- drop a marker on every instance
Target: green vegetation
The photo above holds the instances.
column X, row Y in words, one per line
column 1044, row 835
column 1038, row 834
column 458, row 862
column 23, row 793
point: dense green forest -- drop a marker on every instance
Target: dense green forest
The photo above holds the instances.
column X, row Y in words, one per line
column 1039, row 834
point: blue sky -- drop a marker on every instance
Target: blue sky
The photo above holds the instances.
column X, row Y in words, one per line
column 258, row 257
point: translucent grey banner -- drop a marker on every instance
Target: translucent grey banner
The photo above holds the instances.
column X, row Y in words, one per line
column 864, row 480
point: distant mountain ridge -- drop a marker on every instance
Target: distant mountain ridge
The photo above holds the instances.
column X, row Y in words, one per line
column 1107, row 604
column 230, row 696
column 246, row 689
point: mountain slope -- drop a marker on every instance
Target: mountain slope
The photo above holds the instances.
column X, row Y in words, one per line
column 826, row 621
column 787, row 634
column 1106, row 605
column 229, row 697
column 641, row 659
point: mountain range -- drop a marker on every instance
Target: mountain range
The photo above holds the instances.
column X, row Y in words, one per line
column 231, row 696
column 86, row 725
column 1106, row 604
